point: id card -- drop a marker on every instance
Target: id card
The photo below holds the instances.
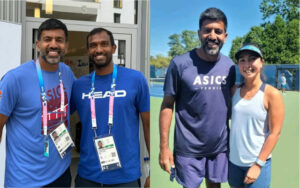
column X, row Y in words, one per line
column 107, row 153
column 61, row 139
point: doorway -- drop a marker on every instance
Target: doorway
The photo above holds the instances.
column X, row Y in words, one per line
column 125, row 39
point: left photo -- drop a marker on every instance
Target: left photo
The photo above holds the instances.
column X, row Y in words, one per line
column 74, row 93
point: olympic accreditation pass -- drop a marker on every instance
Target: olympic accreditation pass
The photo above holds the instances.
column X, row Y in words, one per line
column 107, row 154
column 63, row 139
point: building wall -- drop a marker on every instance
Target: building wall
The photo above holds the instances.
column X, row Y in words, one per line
column 84, row 10
column 10, row 53
column 106, row 12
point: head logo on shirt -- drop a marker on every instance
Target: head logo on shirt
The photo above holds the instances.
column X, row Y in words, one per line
column 102, row 95
column 0, row 94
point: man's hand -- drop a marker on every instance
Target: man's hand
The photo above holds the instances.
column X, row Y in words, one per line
column 252, row 174
column 166, row 159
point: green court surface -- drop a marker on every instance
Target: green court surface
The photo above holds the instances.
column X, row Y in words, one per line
column 285, row 157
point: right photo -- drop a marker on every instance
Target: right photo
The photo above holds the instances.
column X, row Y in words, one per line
column 224, row 87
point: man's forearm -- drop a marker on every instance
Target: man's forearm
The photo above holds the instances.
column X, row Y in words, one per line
column 145, row 116
column 165, row 118
column 164, row 127
column 3, row 120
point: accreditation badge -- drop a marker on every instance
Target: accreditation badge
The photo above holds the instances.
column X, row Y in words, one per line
column 61, row 139
column 107, row 153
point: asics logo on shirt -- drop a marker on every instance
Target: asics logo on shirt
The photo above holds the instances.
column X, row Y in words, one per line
column 209, row 80
column 101, row 95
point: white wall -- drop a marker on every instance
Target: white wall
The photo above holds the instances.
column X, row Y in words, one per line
column 106, row 12
column 127, row 12
column 10, row 53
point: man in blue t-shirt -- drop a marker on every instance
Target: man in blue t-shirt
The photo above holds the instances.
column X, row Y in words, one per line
column 198, row 83
column 34, row 104
column 109, row 102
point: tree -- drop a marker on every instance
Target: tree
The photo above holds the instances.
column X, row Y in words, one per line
column 236, row 44
column 182, row 43
column 190, row 40
column 159, row 61
column 255, row 35
column 176, row 46
column 274, row 45
column 292, row 42
column 288, row 9
column 279, row 41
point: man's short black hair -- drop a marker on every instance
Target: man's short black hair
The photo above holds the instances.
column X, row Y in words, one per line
column 50, row 24
column 99, row 30
column 213, row 14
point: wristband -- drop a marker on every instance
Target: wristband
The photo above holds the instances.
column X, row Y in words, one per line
column 260, row 162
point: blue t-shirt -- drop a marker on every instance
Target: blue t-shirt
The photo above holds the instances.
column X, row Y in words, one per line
column 202, row 94
column 131, row 98
column 26, row 165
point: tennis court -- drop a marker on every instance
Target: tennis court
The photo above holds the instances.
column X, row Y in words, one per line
column 285, row 159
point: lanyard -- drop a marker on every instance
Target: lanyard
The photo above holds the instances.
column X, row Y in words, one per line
column 111, row 101
column 44, row 98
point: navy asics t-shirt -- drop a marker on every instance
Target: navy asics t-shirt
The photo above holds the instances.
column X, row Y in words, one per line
column 202, row 95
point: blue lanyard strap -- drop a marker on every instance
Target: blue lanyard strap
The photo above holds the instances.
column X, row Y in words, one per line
column 41, row 81
column 114, row 76
column 111, row 99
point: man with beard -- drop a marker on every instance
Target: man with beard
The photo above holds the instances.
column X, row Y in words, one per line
column 199, row 84
column 109, row 102
column 34, row 103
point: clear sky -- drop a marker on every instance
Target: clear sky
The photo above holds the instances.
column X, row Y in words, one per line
column 173, row 16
